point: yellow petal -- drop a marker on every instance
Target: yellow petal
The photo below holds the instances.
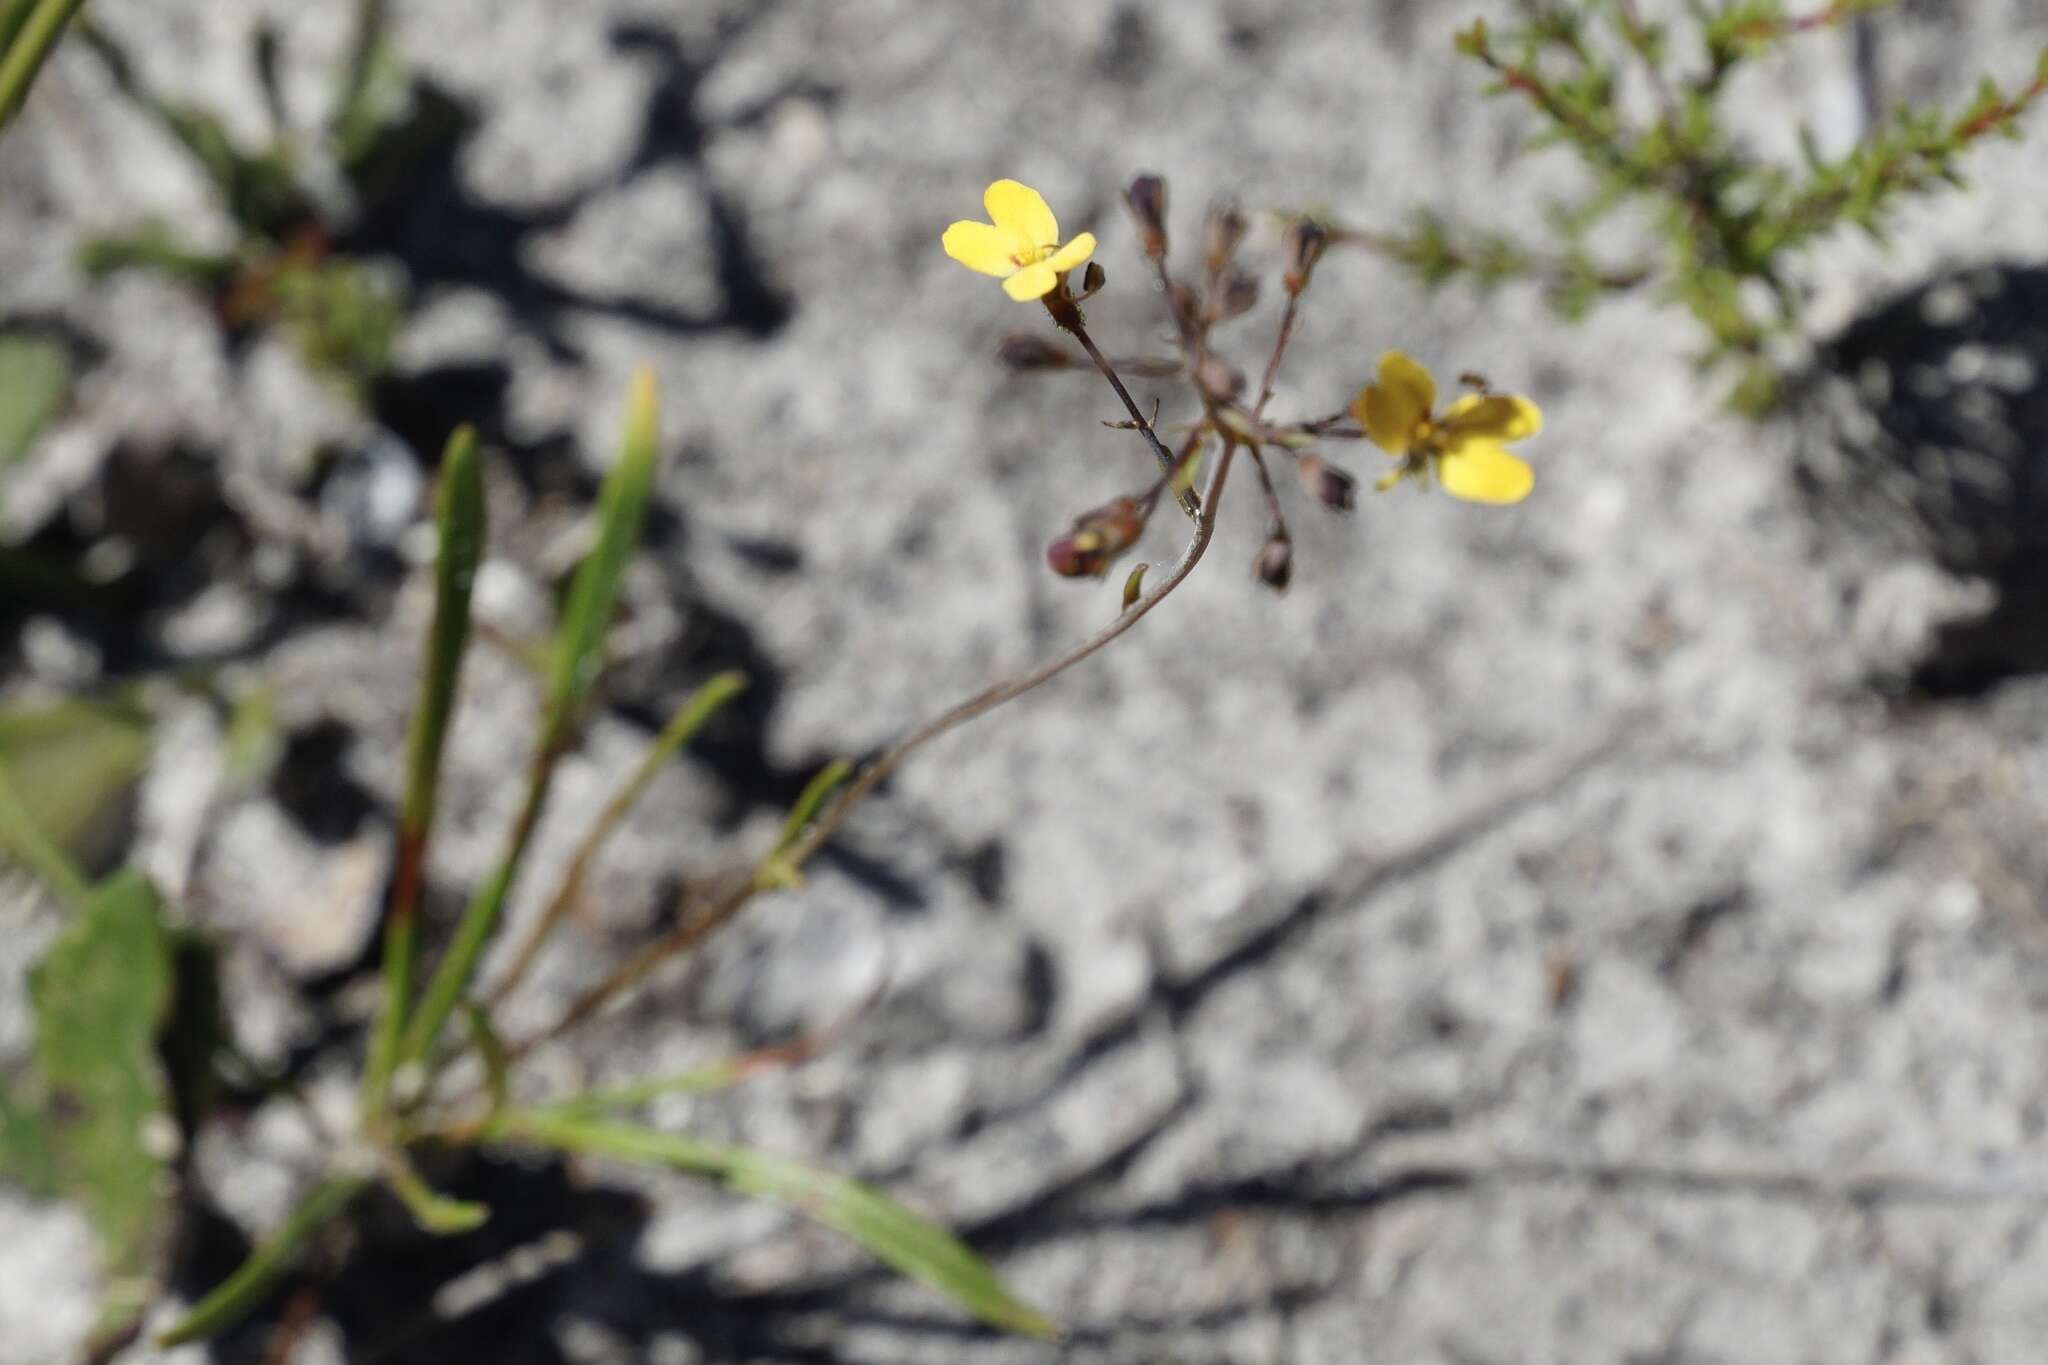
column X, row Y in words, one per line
column 1483, row 471
column 1073, row 253
column 1495, row 416
column 1409, row 382
column 1389, row 416
column 979, row 246
column 1032, row 282
column 1022, row 210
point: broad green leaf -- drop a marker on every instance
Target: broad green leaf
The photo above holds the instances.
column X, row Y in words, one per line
column 907, row 1242
column 99, row 998
column 74, row 764
column 35, row 377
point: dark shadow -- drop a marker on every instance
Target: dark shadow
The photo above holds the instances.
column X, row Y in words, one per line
column 1924, row 432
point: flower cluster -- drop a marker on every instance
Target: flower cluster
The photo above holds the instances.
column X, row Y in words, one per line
column 1461, row 448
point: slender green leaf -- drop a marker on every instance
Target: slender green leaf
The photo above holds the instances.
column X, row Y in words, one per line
column 497, row 1063
column 435, row 1212
column 460, row 524
column 912, row 1245
column 244, row 1291
column 622, row 508
column 690, row 717
column 621, row 514
column 777, row 872
column 36, row 33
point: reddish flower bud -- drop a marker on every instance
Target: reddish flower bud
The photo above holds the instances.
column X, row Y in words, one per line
column 1225, row 229
column 1147, row 200
column 1233, row 296
column 1097, row 538
column 1274, row 565
column 1327, row 484
column 1029, row 351
column 1305, row 243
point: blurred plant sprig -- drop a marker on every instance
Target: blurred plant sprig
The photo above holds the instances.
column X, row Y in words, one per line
column 283, row 269
column 1729, row 225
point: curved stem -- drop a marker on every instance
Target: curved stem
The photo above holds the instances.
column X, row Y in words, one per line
column 700, row 926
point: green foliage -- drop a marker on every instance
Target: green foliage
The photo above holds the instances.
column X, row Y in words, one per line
column 1729, row 224
column 899, row 1238
column 342, row 313
column 29, row 29
column 97, row 1127
column 80, row 760
column 35, row 379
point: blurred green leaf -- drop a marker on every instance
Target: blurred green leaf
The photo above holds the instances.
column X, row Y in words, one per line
column 255, row 742
column 912, row 1245
column 35, row 378
column 460, row 527
column 622, row 509
column 244, row 1291
column 621, row 514
column 99, row 998
column 31, row 32
column 435, row 1212
column 74, row 765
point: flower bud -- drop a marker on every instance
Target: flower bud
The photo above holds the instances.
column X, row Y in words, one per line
column 1327, row 484
column 1233, row 296
column 1147, row 200
column 1305, row 243
column 1220, row 379
column 1274, row 565
column 1029, row 351
column 1186, row 308
column 1225, row 229
column 1096, row 539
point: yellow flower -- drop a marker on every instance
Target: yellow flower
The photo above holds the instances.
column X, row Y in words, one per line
column 1020, row 244
column 1464, row 446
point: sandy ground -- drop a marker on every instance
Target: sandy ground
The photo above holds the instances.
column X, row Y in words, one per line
column 1536, row 938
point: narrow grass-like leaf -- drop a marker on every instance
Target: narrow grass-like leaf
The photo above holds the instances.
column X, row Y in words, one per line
column 35, row 35
column 683, row 726
column 460, row 526
column 777, row 872
column 910, row 1244
column 497, row 1065
column 621, row 514
column 435, row 1212
column 622, row 509
column 13, row 14
column 100, row 997
column 244, row 1291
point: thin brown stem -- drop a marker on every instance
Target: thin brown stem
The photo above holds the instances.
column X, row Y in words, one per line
column 1068, row 317
column 1287, row 321
column 736, row 896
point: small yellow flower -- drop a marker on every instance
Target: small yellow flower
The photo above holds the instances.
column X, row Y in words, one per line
column 1020, row 244
column 1464, row 446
